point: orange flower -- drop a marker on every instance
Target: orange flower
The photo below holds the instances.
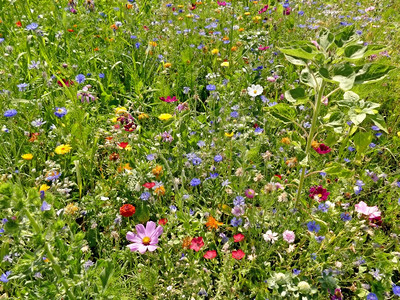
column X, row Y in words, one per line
column 70, row 30
column 160, row 191
column 292, row 162
column 157, row 171
column 314, row 144
column 186, row 242
column 212, row 223
column 285, row 140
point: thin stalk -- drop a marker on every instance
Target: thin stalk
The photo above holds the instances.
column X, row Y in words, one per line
column 317, row 106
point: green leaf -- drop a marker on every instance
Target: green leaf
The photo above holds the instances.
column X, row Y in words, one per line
column 307, row 78
column 351, row 96
column 362, row 141
column 296, row 95
column 358, row 51
column 106, row 274
column 346, row 36
column 326, row 39
column 344, row 74
column 296, row 61
column 357, row 118
column 283, row 112
column 379, row 121
column 338, row 170
column 299, row 50
column 372, row 72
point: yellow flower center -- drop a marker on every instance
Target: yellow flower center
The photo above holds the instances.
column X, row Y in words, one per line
column 320, row 195
column 146, row 240
column 255, row 92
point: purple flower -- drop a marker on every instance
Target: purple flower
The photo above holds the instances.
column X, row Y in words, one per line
column 4, row 277
column 60, row 111
column 296, row 272
column 235, row 222
column 313, row 227
column 238, row 201
column 22, row 87
column 211, row 87
column 195, row 182
column 10, row 113
column 45, row 206
column 32, row 26
column 237, row 211
column 217, row 158
column 345, row 217
column 372, row 296
column 146, row 238
column 80, row 78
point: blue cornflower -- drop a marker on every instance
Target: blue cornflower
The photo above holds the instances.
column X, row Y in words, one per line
column 218, row 158
column 211, row 87
column 80, row 78
column 22, row 87
column 195, row 182
column 346, row 160
column 214, row 175
column 351, row 149
column 235, row 222
column 319, row 239
column 396, row 290
column 225, row 183
column 32, row 26
column 301, row 13
column 4, row 277
column 1, row 40
column 137, row 45
column 258, row 130
column 60, row 111
column 374, row 127
column 372, row 145
column 234, row 114
column 45, row 206
column 323, row 207
column 150, row 157
column 307, row 125
column 296, row 272
column 186, row 90
column 10, row 113
column 4, row 220
column 313, row 256
column 145, row 196
column 345, row 217
column 1, row 231
column 312, row 226
column 196, row 161
column 238, row 201
column 372, row 296
column 201, row 144
column 101, row 75
column 173, row 208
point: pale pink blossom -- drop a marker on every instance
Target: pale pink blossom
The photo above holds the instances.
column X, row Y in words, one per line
column 289, row 236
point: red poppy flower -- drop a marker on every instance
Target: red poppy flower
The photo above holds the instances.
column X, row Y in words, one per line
column 210, row 254
column 162, row 221
column 323, row 149
column 19, row 24
column 127, row 210
column 149, row 185
column 196, row 243
column 255, row 125
column 70, row 30
column 319, row 193
column 238, row 254
column 238, row 237
column 169, row 99
column 123, row 145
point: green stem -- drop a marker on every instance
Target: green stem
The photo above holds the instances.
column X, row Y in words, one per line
column 317, row 106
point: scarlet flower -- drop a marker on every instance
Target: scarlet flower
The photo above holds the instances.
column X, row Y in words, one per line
column 238, row 254
column 70, row 30
column 162, row 221
column 196, row 243
column 149, row 185
column 114, row 156
column 19, row 24
column 123, row 145
column 169, row 99
column 127, row 210
column 238, row 237
column 323, row 149
column 210, row 254
column 279, row 176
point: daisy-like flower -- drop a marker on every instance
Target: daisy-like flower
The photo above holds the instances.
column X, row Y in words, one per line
column 146, row 238
column 270, row 236
column 318, row 193
column 255, row 90
column 63, row 149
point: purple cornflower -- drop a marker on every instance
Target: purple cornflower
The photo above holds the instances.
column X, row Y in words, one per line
column 235, row 222
column 217, row 158
column 313, row 226
column 239, row 201
column 4, row 277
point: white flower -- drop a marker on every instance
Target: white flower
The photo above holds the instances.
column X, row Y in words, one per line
column 270, row 236
column 255, row 90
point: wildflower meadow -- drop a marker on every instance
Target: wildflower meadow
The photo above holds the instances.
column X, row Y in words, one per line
column 208, row 149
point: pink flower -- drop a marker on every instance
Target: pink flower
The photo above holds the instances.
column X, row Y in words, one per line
column 250, row 193
column 210, row 254
column 238, row 237
column 197, row 243
column 261, row 48
column 372, row 212
column 323, row 149
column 362, row 208
column 238, row 254
column 318, row 193
column 169, row 99
column 289, row 236
column 146, row 238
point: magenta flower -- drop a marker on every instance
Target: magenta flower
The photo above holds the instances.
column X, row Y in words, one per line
column 145, row 239
column 318, row 193
column 250, row 193
column 323, row 149
column 169, row 99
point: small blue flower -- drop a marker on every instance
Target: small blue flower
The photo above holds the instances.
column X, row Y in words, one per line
column 22, row 87
column 313, row 226
column 396, row 290
column 150, row 157
column 32, row 26
column 376, row 128
column 345, row 217
column 173, row 208
column 10, row 113
column 296, row 272
column 351, row 149
column 60, row 111
column 323, row 207
column 372, row 145
column 235, row 222
column 319, row 239
column 4, row 277
column 145, row 196
column 239, row 201
column 218, row 158
column 45, row 206
column 234, row 114
column 372, row 296
column 195, row 182
column 101, row 75
column 258, row 130
column 80, row 78
column 211, row 87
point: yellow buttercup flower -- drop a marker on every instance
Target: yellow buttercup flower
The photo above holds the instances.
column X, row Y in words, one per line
column 165, row 117
column 398, row 133
column 27, row 156
column 143, row 116
column 120, row 109
column 44, row 187
column 225, row 64
column 214, row 51
column 229, row 134
column 63, row 149
column 167, row 65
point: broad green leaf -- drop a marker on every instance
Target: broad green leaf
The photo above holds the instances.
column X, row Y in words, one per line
column 362, row 141
column 372, row 72
column 326, row 38
column 296, row 95
column 358, row 51
column 299, row 50
column 351, row 96
column 346, row 36
column 106, row 274
column 283, row 112
column 338, row 170
column 379, row 121
column 357, row 117
column 296, row 61
column 308, row 79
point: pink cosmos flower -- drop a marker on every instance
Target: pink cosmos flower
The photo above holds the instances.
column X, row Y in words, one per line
column 146, row 238
column 169, row 99
column 323, row 149
column 261, row 48
column 289, row 236
column 318, row 193
column 371, row 211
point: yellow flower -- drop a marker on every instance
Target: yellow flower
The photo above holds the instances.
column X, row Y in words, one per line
column 143, row 116
column 285, row 140
column 165, row 117
column 62, row 149
column 154, row 44
column 120, row 109
column 71, row 209
column 44, row 187
column 214, row 51
column 27, row 156
column 225, row 64
column 314, row 144
column 398, row 133
column 167, row 65
column 247, row 13
column 229, row 134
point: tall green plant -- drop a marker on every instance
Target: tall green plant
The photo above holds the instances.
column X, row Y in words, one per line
column 332, row 63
